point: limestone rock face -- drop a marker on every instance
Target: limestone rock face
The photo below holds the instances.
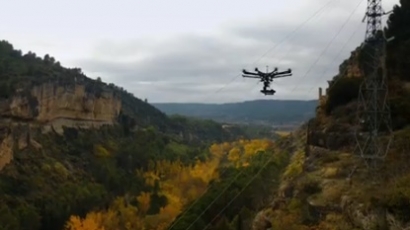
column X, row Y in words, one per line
column 55, row 105
column 50, row 106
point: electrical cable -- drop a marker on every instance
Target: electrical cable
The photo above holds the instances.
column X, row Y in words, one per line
column 330, row 42
column 327, row 46
column 292, row 46
column 252, row 179
column 338, row 54
column 280, row 61
column 276, row 45
column 272, row 154
column 282, row 58
column 247, row 183
column 243, row 189
column 283, row 40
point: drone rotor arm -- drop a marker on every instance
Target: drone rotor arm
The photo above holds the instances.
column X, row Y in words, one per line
column 283, row 75
column 250, row 76
column 249, row 73
column 260, row 73
column 289, row 71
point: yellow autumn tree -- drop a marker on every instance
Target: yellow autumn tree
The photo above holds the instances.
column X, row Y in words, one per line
column 240, row 151
column 120, row 215
column 128, row 214
column 93, row 221
column 150, row 177
column 254, row 146
column 182, row 184
column 216, row 150
column 144, row 202
column 234, row 154
column 100, row 151
column 179, row 183
column 226, row 147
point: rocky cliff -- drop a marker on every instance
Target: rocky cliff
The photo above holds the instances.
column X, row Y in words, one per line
column 328, row 187
column 323, row 189
column 50, row 106
column 54, row 105
column 38, row 96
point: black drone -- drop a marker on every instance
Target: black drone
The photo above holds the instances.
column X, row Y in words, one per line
column 267, row 78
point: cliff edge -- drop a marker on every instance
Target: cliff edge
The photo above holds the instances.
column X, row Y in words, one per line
column 54, row 105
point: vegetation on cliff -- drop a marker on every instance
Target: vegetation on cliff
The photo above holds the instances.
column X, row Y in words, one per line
column 140, row 172
column 225, row 174
column 156, row 172
column 344, row 90
column 19, row 73
column 80, row 171
column 107, row 180
column 326, row 186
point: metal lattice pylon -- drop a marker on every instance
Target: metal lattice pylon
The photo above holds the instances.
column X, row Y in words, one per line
column 374, row 110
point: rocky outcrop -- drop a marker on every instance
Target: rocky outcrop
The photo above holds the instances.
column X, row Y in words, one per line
column 331, row 140
column 373, row 217
column 261, row 222
column 15, row 136
column 56, row 105
column 334, row 191
column 50, row 107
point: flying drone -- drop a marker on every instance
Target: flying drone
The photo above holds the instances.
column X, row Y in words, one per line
column 267, row 78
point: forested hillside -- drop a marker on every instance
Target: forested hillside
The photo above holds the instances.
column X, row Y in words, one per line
column 108, row 160
column 73, row 148
column 270, row 112
column 182, row 185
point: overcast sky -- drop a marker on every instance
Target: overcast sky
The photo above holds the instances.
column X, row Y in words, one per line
column 191, row 50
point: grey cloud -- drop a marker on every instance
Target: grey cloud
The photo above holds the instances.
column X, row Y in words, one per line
column 194, row 67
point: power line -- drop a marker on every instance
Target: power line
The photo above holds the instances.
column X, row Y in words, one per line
column 339, row 53
column 276, row 45
column 348, row 19
column 328, row 45
column 243, row 189
column 330, row 42
column 283, row 40
column 291, row 47
column 282, row 58
column 372, row 3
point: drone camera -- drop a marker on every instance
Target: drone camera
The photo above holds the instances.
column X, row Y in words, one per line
column 268, row 92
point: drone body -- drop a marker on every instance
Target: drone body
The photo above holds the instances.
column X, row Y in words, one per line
column 267, row 78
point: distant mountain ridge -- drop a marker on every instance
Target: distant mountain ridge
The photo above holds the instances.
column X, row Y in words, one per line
column 256, row 111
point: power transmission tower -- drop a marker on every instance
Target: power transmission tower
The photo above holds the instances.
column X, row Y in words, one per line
column 375, row 121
